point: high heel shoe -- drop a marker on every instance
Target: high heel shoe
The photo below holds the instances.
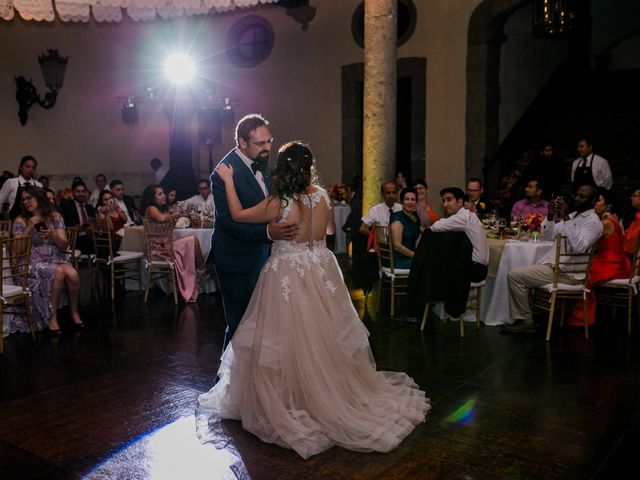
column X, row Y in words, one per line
column 54, row 332
column 79, row 326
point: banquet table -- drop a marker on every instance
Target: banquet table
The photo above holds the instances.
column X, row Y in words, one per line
column 133, row 241
column 504, row 256
column 340, row 212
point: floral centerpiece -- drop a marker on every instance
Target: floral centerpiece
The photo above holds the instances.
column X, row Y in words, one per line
column 533, row 223
column 338, row 192
column 64, row 195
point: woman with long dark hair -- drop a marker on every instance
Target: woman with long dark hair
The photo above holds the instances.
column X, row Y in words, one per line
column 299, row 371
column 49, row 268
column 188, row 255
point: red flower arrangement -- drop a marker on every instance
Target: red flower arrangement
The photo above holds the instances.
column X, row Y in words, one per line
column 533, row 222
column 64, row 195
column 339, row 192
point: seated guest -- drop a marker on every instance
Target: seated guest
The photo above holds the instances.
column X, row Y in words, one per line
column 203, row 200
column 459, row 219
column 77, row 212
column 405, row 229
column 171, row 198
column 51, row 196
column 582, row 228
column 533, row 203
column 475, row 202
column 379, row 213
column 44, row 180
column 109, row 210
column 631, row 233
column 49, row 269
column 609, row 261
column 101, row 184
column 188, row 256
column 125, row 202
column 425, row 211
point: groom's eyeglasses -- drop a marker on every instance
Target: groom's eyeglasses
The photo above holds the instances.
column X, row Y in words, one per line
column 263, row 143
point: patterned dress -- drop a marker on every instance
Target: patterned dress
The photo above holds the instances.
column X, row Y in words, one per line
column 299, row 371
column 45, row 257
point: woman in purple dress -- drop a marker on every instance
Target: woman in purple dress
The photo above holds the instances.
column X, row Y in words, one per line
column 49, row 268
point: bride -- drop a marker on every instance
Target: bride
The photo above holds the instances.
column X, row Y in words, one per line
column 299, row 371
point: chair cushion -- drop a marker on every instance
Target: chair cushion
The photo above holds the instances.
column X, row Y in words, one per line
column 396, row 271
column 561, row 286
column 127, row 256
column 9, row 290
column 160, row 263
column 620, row 282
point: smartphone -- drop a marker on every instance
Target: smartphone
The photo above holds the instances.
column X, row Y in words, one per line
column 111, row 201
column 40, row 226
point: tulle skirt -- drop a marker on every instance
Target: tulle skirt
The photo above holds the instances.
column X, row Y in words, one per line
column 299, row 371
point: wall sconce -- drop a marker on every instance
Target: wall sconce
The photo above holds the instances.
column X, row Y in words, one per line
column 129, row 112
column 53, row 69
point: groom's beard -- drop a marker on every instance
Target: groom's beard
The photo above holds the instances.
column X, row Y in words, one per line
column 263, row 156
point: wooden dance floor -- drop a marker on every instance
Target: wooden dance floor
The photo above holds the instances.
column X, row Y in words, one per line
column 116, row 401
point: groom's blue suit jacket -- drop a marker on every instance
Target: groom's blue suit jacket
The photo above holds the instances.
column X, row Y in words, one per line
column 238, row 247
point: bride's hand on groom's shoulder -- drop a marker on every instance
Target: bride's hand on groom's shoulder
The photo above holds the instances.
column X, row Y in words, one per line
column 225, row 172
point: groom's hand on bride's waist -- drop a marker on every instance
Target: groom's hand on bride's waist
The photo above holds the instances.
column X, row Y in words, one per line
column 282, row 231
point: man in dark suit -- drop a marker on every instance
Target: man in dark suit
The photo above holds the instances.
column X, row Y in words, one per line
column 239, row 250
column 476, row 203
column 78, row 212
column 125, row 202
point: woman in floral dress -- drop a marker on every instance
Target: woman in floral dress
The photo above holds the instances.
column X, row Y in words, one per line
column 49, row 268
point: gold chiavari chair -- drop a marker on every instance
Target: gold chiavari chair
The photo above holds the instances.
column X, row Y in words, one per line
column 579, row 266
column 14, row 271
column 160, row 258
column 620, row 291
column 118, row 265
column 396, row 280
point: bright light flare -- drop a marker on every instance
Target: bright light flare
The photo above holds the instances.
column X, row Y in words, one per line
column 179, row 68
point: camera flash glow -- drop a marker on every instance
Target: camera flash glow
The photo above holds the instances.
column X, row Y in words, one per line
column 179, row 68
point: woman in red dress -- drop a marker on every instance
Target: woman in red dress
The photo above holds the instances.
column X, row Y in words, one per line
column 609, row 261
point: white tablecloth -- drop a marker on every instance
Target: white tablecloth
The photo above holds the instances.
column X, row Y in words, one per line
column 495, row 295
column 340, row 213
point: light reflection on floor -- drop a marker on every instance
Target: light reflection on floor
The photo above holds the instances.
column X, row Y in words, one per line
column 171, row 452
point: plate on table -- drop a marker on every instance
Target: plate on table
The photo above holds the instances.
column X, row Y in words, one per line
column 183, row 222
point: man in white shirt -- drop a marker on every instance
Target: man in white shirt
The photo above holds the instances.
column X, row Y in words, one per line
column 590, row 168
column 379, row 213
column 203, row 199
column 101, row 184
column 25, row 178
column 125, row 202
column 460, row 219
column 582, row 228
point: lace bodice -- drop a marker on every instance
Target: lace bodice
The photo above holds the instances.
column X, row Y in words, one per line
column 303, row 256
column 292, row 207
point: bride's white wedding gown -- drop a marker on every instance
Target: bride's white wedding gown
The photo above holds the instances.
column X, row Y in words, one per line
column 299, row 371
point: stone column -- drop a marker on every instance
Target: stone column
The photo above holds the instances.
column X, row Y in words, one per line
column 379, row 123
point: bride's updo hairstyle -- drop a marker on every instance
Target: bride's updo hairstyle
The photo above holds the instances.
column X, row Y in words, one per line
column 294, row 170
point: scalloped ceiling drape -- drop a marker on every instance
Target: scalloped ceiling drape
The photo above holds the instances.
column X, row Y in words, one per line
column 113, row 10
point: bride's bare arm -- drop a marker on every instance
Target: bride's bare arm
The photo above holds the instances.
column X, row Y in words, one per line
column 263, row 212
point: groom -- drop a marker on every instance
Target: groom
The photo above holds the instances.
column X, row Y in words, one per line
column 240, row 250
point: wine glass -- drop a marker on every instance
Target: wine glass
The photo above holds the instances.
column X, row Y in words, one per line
column 502, row 225
column 515, row 226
